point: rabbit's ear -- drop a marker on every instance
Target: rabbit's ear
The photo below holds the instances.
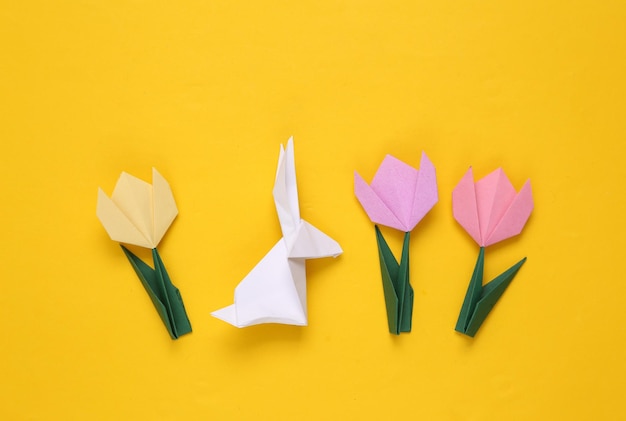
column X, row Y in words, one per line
column 311, row 243
column 286, row 191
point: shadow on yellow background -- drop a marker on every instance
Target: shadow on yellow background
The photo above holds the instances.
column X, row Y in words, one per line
column 205, row 92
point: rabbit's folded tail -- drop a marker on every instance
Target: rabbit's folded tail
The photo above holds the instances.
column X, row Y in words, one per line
column 227, row 314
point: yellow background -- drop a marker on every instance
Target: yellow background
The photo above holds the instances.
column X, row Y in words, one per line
column 205, row 91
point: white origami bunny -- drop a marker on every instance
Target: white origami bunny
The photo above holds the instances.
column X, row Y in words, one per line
column 275, row 290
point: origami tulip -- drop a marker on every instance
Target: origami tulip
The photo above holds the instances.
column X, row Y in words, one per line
column 398, row 197
column 139, row 213
column 490, row 211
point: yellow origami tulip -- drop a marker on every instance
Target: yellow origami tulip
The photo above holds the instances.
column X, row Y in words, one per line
column 139, row 213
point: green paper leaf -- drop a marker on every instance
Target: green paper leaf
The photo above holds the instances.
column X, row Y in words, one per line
column 178, row 314
column 163, row 294
column 396, row 287
column 148, row 278
column 489, row 297
column 479, row 299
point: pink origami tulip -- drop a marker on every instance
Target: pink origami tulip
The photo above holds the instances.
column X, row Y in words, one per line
column 399, row 196
column 490, row 210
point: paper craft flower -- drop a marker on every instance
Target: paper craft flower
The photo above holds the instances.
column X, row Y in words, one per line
column 398, row 197
column 490, row 211
column 138, row 213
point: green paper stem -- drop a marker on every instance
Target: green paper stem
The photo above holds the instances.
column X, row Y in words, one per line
column 473, row 293
column 479, row 299
column 396, row 287
column 164, row 295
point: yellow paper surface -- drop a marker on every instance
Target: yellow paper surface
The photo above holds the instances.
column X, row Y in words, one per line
column 205, row 92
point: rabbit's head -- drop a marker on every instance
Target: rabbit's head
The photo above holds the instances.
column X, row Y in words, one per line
column 303, row 239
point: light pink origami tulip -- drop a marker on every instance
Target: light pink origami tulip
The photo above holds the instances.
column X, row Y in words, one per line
column 399, row 196
column 490, row 210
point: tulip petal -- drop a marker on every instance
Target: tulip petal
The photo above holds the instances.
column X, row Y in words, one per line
column 163, row 204
column 515, row 217
column 494, row 194
column 394, row 183
column 134, row 198
column 464, row 207
column 375, row 208
column 117, row 225
column 425, row 191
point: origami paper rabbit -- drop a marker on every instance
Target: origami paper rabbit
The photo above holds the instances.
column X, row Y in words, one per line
column 275, row 290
